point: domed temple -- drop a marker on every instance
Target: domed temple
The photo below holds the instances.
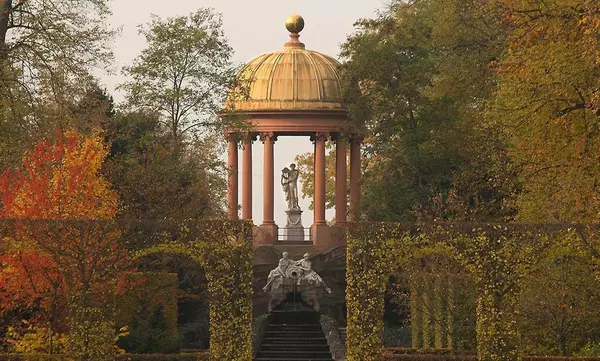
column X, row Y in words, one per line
column 293, row 92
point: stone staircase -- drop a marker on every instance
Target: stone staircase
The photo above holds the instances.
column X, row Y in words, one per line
column 294, row 336
column 342, row 331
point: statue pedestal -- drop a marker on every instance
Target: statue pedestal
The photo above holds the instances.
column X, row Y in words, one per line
column 294, row 230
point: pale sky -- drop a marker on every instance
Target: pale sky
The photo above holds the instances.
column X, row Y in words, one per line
column 253, row 28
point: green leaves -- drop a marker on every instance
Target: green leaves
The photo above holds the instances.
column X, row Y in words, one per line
column 184, row 72
column 224, row 249
column 422, row 69
column 499, row 257
column 547, row 102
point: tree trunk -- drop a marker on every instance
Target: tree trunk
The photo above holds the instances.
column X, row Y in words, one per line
column 5, row 7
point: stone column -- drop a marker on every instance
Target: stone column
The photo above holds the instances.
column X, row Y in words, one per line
column 355, row 175
column 340, row 180
column 232, row 182
column 268, row 140
column 247, row 179
column 319, row 200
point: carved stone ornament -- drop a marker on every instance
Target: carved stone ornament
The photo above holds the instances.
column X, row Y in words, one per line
column 294, row 276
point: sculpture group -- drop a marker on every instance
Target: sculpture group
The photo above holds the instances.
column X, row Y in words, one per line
column 294, row 276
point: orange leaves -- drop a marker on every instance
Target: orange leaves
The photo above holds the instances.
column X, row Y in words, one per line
column 59, row 180
column 27, row 277
column 47, row 262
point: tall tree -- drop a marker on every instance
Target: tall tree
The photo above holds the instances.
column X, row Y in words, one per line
column 145, row 172
column 306, row 167
column 52, row 263
column 423, row 85
column 47, row 50
column 184, row 72
column 39, row 36
column 548, row 102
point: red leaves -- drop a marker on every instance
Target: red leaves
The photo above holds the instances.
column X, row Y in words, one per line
column 49, row 262
column 59, row 179
column 28, row 277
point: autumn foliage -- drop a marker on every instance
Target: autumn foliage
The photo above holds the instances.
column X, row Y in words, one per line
column 58, row 248
column 59, row 180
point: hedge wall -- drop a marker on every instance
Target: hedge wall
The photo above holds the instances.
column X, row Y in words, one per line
column 428, row 357
column 205, row 357
column 497, row 256
column 147, row 357
column 224, row 250
column 171, row 357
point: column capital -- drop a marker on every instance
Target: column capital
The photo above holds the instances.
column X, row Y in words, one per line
column 271, row 135
column 320, row 136
column 232, row 137
column 248, row 137
column 355, row 137
column 340, row 137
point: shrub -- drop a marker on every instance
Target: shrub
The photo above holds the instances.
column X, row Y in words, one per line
column 204, row 356
column 91, row 337
column 590, row 349
column 396, row 336
column 437, row 357
column 35, row 339
column 150, row 335
column 195, row 335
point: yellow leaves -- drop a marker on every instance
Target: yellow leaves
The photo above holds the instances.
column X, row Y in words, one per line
column 498, row 256
column 548, row 98
column 61, row 179
column 224, row 249
column 34, row 339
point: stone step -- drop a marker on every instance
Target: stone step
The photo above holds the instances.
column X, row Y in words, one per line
column 294, row 336
column 294, row 347
column 305, row 340
column 294, row 318
column 293, row 333
column 295, row 354
column 342, row 332
column 294, row 326
column 293, row 329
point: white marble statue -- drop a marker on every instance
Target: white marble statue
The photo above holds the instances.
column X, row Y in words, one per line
column 276, row 276
column 309, row 276
column 289, row 183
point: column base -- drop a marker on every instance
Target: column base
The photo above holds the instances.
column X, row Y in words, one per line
column 321, row 236
column 268, row 233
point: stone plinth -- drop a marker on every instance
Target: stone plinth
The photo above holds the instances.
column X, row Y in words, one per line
column 294, row 230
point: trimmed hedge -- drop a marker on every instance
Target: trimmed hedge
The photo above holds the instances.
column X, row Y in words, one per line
column 161, row 357
column 224, row 250
column 438, row 357
column 204, row 356
column 496, row 256
column 40, row 357
column 412, row 350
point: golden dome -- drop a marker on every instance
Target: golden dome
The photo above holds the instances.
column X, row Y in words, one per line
column 292, row 79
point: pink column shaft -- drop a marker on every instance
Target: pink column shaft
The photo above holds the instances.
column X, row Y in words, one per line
column 320, row 179
column 247, row 180
column 340, row 181
column 232, row 184
column 269, row 175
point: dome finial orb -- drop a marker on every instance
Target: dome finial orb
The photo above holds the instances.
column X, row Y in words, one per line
column 294, row 23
